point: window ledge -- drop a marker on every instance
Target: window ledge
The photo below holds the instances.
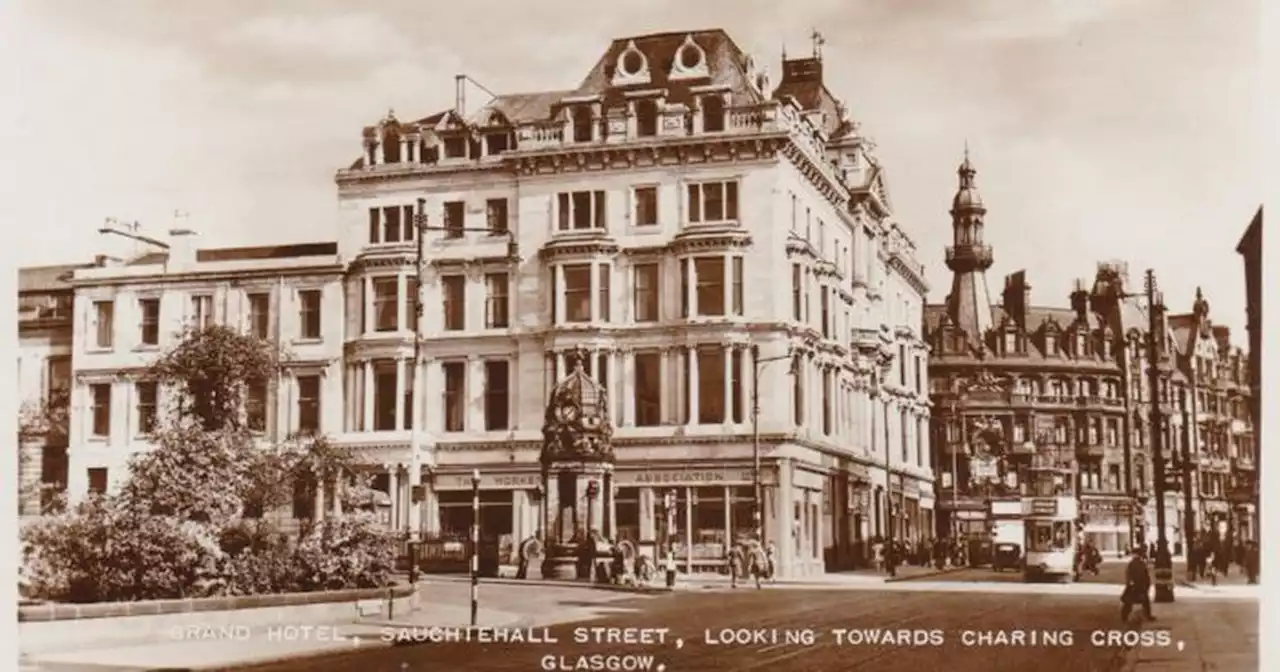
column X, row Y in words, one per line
column 148, row 347
column 99, row 350
column 310, row 341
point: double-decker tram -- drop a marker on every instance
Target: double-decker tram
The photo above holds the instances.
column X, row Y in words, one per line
column 1049, row 511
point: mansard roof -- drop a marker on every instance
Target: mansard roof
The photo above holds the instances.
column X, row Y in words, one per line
column 726, row 66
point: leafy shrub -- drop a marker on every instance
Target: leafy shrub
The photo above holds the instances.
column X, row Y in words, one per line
column 99, row 551
column 355, row 550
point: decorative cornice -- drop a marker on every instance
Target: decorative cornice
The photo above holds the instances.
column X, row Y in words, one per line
column 706, row 238
column 203, row 277
column 913, row 276
column 593, row 244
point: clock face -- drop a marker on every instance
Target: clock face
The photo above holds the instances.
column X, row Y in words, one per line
column 568, row 413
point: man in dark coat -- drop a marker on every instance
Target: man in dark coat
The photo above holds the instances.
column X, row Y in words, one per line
column 1137, row 590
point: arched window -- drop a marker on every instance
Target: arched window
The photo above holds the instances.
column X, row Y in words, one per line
column 582, row 124
column 646, row 118
column 712, row 114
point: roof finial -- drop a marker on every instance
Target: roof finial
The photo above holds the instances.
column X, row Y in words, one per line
column 784, row 52
column 818, row 41
column 966, row 150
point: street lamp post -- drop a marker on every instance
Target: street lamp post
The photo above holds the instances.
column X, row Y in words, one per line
column 757, row 497
column 889, row 517
column 416, row 491
column 475, row 545
column 955, row 476
column 1155, row 357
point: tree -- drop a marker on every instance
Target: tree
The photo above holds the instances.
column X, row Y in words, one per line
column 308, row 458
column 212, row 369
column 193, row 474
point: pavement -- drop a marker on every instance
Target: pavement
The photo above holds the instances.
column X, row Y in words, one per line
column 1111, row 574
column 812, row 629
column 1208, row 635
column 444, row 605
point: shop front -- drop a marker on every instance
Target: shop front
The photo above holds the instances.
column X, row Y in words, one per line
column 1106, row 524
column 509, row 506
column 699, row 510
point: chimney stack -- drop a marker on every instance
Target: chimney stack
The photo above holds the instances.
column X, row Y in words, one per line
column 1017, row 297
column 182, row 250
column 460, row 95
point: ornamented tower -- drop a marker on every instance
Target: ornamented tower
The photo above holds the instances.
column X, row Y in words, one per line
column 969, row 304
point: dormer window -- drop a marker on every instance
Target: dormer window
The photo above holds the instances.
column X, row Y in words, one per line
column 1082, row 345
column 690, row 56
column 690, row 61
column 712, row 114
column 497, row 143
column 582, row 119
column 646, row 118
column 1050, row 344
column 455, row 147
column 1010, row 342
column 632, row 67
column 632, row 63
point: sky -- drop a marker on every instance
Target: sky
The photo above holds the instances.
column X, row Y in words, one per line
column 1101, row 129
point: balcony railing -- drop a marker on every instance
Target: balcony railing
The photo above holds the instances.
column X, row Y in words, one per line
column 973, row 254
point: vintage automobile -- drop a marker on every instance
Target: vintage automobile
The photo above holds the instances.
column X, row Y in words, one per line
column 1006, row 556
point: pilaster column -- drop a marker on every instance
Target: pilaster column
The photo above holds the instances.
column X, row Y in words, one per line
column 402, row 302
column 628, row 416
column 367, row 320
column 728, row 385
column 691, row 287
column 693, row 385
column 348, row 398
column 418, row 412
column 665, row 383
column 559, row 299
column 747, row 371
column 404, row 149
column 319, row 502
column 560, row 372
column 393, row 494
column 593, row 301
column 366, row 398
column 727, row 284
column 474, row 393
column 400, row 390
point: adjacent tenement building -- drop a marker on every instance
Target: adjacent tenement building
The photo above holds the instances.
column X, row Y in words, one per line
column 1014, row 384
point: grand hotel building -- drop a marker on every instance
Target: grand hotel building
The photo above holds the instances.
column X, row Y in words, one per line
column 674, row 213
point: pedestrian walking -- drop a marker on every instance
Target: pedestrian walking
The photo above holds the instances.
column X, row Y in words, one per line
column 735, row 560
column 671, row 567
column 1137, row 588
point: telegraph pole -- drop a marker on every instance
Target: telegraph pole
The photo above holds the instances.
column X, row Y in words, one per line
column 1156, row 355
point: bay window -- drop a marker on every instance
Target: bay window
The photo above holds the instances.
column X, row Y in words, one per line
column 646, row 292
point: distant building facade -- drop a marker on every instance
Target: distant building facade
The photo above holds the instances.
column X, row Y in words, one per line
column 1250, row 248
column 45, row 299
column 127, row 313
column 1014, row 384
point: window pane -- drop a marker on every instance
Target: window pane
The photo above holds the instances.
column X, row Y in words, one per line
column 454, row 396
column 577, row 293
column 385, row 304
column 648, row 389
column 497, row 401
column 454, row 289
column 711, row 385
column 646, row 293
column 709, row 274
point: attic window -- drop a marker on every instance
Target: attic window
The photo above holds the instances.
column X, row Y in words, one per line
column 455, row 148
column 690, row 56
column 712, row 114
column 632, row 63
column 1050, row 344
column 646, row 118
column 498, row 142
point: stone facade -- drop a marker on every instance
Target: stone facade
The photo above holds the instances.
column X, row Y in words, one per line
column 1013, row 384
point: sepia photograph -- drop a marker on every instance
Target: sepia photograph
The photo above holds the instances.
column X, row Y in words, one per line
column 552, row 335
